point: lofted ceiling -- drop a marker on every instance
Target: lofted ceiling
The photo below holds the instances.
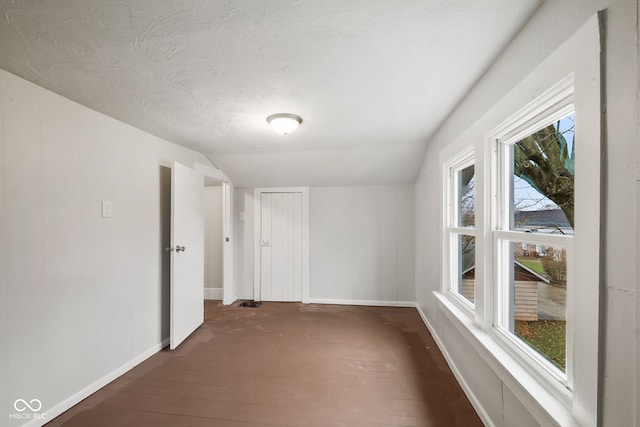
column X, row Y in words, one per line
column 372, row 79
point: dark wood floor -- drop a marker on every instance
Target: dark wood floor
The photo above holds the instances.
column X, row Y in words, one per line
column 288, row 364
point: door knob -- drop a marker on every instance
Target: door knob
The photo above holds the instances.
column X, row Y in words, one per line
column 180, row 248
column 265, row 243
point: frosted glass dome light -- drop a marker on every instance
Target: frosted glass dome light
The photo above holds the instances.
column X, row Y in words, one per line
column 284, row 123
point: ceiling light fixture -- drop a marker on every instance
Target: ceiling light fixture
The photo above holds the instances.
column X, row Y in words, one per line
column 284, row 123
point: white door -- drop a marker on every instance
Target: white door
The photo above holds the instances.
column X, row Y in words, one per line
column 187, row 253
column 280, row 246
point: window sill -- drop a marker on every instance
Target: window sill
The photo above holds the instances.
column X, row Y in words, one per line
column 548, row 401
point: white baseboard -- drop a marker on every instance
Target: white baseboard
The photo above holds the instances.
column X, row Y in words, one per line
column 213, row 293
column 96, row 385
column 373, row 303
column 482, row 413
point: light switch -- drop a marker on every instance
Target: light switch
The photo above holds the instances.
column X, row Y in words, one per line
column 107, row 209
column 242, row 216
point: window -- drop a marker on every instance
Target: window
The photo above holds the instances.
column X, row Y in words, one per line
column 533, row 233
column 460, row 226
column 535, row 316
column 509, row 235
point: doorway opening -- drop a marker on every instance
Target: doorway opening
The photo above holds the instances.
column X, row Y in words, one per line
column 213, row 240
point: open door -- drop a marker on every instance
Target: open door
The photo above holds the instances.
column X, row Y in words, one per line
column 187, row 253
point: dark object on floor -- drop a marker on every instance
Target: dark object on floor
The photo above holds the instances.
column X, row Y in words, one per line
column 253, row 304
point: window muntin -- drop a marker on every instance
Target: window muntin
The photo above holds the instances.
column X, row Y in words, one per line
column 460, row 227
column 534, row 239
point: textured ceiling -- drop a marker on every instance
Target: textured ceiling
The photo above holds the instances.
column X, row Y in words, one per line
column 372, row 79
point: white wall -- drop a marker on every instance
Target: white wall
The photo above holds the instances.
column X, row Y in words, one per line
column 4, row 282
column 213, row 237
column 361, row 243
column 622, row 239
column 500, row 92
column 81, row 295
column 243, row 249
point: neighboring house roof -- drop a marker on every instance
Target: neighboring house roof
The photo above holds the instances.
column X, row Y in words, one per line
column 544, row 218
column 522, row 272
column 536, row 275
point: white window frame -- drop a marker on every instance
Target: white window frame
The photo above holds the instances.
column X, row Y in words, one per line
column 556, row 103
column 559, row 397
column 451, row 230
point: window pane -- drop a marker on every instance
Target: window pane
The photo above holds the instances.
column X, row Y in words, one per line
column 466, row 197
column 537, row 299
column 465, row 277
column 542, row 183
